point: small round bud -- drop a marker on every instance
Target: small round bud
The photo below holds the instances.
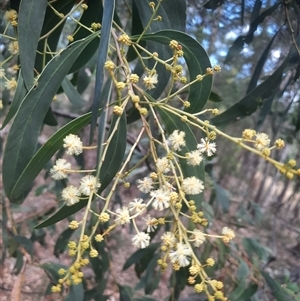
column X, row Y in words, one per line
column 120, row 85
column 73, row 225
column 279, row 143
column 215, row 112
column 292, row 162
column 209, row 71
column 248, row 134
column 135, row 98
column 217, row 68
column 134, row 78
column 153, row 175
column 199, row 77
column 210, row 261
column 104, row 217
column 184, row 118
column 70, row 38
column 118, row 110
column 93, row 253
column 266, row 152
column 109, row 65
column 143, row 111
column 186, row 104
column 99, row 238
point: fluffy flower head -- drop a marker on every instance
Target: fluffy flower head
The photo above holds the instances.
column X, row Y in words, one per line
column 192, row 185
column 194, row 158
column 163, row 165
column 73, row 144
column 145, row 185
column 141, row 240
column 206, row 146
column 89, row 184
column 71, row 195
column 137, row 205
column 198, row 237
column 60, row 169
column 123, row 216
column 150, row 81
column 151, row 223
column 177, row 140
column 161, row 199
column 181, row 255
column 262, row 141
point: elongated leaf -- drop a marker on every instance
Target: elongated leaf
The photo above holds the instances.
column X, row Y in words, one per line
column 62, row 241
column 252, row 101
column 110, row 167
column 152, row 276
column 46, row 152
column 243, row 271
column 248, row 292
column 108, row 11
column 264, row 111
column 260, row 64
column 213, row 4
column 76, row 293
column 140, row 254
column 126, row 293
column 31, row 18
column 50, row 118
column 255, row 10
column 238, row 291
column 173, row 14
column 197, row 61
column 136, row 29
column 50, row 22
column 73, row 95
column 23, row 136
column 115, row 152
column 145, row 298
column 52, row 270
column 17, row 100
column 258, row 20
column 173, row 122
column 92, row 14
column 238, row 44
column 214, row 97
column 26, row 243
column 235, row 49
column 277, row 291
